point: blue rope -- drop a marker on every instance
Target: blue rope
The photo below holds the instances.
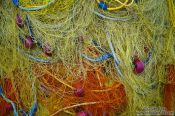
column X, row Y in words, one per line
column 23, row 112
column 16, row 2
column 99, row 59
column 33, row 9
column 98, row 46
column 34, row 58
column 116, row 60
column 29, row 26
column 112, row 48
column 111, row 18
column 33, row 109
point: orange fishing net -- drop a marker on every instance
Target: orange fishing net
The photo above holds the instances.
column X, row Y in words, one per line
column 98, row 94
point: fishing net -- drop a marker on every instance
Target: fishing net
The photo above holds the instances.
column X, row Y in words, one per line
column 67, row 57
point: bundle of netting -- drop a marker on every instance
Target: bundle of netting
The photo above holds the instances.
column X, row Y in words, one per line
column 79, row 57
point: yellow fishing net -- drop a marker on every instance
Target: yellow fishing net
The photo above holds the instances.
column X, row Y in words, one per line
column 86, row 57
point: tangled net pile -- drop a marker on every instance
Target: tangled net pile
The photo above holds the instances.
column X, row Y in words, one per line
column 86, row 57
